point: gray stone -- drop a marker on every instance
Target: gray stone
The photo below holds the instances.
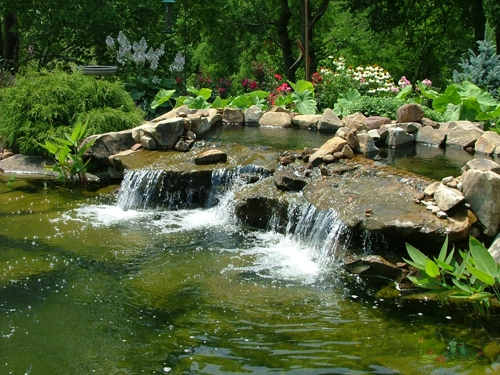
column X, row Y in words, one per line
column 287, row 181
column 447, row 198
column 494, row 249
column 488, row 143
column 306, row 121
column 212, row 156
column 148, row 142
column 431, row 189
column 431, row 136
column 349, row 135
column 464, row 134
column 409, row 127
column 480, row 189
column 482, row 164
column 253, row 115
column 108, row 144
column 278, row 119
column 397, row 137
column 373, row 267
column 366, row 144
column 165, row 132
column 356, row 122
column 329, row 122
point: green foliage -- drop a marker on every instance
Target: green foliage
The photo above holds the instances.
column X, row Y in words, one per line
column 248, row 99
column 350, row 98
column 463, row 101
column 68, row 153
column 303, row 97
column 482, row 69
column 10, row 181
column 474, row 279
column 48, row 104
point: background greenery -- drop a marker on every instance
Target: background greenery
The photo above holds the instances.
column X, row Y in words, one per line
column 221, row 38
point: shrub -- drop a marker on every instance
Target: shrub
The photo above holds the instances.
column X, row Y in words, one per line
column 44, row 105
column 482, row 69
column 374, row 106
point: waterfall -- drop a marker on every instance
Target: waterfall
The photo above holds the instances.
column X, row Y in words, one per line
column 320, row 233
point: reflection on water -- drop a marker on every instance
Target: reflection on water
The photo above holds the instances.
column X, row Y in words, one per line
column 87, row 287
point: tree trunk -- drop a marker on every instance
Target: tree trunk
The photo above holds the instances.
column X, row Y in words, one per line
column 284, row 40
column 479, row 19
column 10, row 41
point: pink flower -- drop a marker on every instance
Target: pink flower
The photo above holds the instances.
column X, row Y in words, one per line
column 404, row 82
column 278, row 77
column 427, row 82
column 284, row 87
column 245, row 82
column 253, row 85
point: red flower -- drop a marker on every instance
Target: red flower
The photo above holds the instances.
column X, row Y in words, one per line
column 441, row 358
column 278, row 77
column 253, row 85
column 245, row 82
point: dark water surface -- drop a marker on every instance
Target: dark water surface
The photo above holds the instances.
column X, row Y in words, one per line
column 89, row 288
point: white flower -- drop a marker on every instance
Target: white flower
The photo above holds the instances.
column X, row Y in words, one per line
column 178, row 63
column 110, row 42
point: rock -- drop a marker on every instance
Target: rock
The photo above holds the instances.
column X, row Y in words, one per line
column 279, row 119
column 212, row 156
column 431, row 136
column 331, row 146
column 464, row 134
column 428, row 122
column 366, row 144
column 374, row 267
column 410, row 127
column 329, row 122
column 329, row 158
column 447, row 198
column 6, row 154
column 306, row 121
column 375, row 122
column 488, row 143
column 287, row 181
column 349, row 135
column 109, row 144
column 116, row 160
column 347, row 152
column 183, row 145
column 478, row 188
column 482, row 164
column 409, row 113
column 397, row 137
column 148, row 142
column 356, row 122
column 233, row 116
column 165, row 132
column 431, row 189
column 383, row 131
column 494, row 249
column 252, row 115
column 257, row 210
column 287, row 158
column 25, row 164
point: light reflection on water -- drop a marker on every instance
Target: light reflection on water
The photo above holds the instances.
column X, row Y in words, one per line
column 86, row 287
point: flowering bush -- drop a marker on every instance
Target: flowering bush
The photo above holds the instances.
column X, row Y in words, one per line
column 280, row 93
column 139, row 66
column 220, row 87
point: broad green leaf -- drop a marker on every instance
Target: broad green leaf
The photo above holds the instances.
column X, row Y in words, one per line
column 483, row 276
column 241, row 101
column 481, row 96
column 404, row 92
column 431, row 269
column 302, row 86
column 417, row 256
column 205, row 93
column 452, row 112
column 470, row 109
column 482, row 258
column 416, row 265
column 161, row 97
column 305, row 102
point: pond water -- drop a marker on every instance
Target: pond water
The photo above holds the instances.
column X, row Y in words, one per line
column 88, row 287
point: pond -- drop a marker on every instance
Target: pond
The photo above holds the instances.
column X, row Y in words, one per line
column 88, row 287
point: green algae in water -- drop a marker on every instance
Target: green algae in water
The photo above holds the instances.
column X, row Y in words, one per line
column 135, row 292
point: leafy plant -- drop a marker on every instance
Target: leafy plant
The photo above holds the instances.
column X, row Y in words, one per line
column 373, row 106
column 482, row 69
column 474, row 279
column 346, row 100
column 464, row 101
column 200, row 101
column 48, row 104
column 68, row 153
column 303, row 97
column 248, row 99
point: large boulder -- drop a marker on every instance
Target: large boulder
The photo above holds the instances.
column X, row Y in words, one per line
column 375, row 122
column 212, row 156
column 447, row 198
column 356, row 121
column 306, row 121
column 330, row 147
column 409, row 113
column 108, row 144
column 329, row 122
column 398, row 137
column 252, row 115
column 488, row 143
column 481, row 190
column 288, row 181
column 201, row 122
column 366, row 144
column 482, row 164
column 233, row 115
column 278, row 119
column 431, row 136
column 464, row 134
